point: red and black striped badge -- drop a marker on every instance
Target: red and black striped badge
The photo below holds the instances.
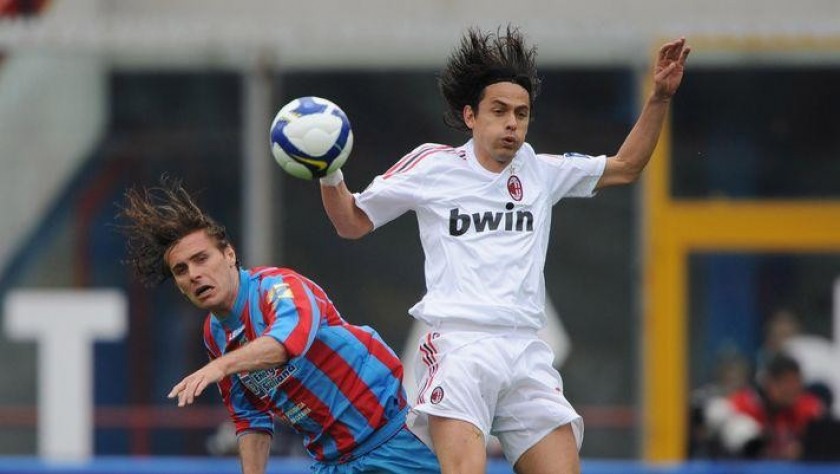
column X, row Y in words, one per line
column 514, row 186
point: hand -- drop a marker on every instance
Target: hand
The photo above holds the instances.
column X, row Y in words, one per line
column 192, row 386
column 333, row 179
column 668, row 72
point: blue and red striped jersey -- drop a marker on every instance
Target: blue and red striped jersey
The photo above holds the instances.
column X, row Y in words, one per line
column 342, row 386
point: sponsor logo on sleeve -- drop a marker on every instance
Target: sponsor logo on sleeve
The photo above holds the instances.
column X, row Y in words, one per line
column 279, row 291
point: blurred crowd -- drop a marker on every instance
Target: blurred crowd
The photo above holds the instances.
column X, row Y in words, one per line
column 777, row 406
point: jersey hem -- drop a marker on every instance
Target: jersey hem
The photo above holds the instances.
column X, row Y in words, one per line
column 376, row 439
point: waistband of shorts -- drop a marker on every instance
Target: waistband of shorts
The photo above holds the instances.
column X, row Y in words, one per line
column 489, row 329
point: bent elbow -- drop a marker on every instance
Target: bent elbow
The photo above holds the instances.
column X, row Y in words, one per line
column 278, row 358
column 350, row 232
column 350, row 223
column 631, row 176
column 628, row 173
column 625, row 168
column 274, row 353
column 618, row 179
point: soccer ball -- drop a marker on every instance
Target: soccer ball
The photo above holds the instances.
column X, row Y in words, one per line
column 311, row 137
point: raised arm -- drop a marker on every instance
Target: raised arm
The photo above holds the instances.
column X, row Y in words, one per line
column 349, row 221
column 627, row 165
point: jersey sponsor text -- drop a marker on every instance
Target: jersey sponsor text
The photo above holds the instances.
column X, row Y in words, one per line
column 519, row 221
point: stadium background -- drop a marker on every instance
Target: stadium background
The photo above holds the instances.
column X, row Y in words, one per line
column 737, row 217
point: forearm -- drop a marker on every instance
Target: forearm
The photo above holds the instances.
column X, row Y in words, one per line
column 349, row 221
column 254, row 448
column 634, row 154
column 262, row 353
column 638, row 147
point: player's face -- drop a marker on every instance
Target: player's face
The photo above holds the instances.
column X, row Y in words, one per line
column 204, row 273
column 500, row 124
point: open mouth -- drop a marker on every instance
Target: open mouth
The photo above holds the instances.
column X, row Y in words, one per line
column 202, row 290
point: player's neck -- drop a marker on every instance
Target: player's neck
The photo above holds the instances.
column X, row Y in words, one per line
column 226, row 308
column 489, row 163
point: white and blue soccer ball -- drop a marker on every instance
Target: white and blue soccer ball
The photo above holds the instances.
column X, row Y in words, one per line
column 311, row 137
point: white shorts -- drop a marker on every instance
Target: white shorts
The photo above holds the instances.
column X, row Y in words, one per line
column 504, row 384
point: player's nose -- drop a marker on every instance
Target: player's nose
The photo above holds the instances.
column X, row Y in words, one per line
column 193, row 273
column 510, row 121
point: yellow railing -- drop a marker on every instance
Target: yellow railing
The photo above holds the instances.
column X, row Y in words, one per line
column 672, row 229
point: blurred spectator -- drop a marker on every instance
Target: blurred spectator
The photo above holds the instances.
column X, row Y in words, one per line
column 816, row 355
column 782, row 325
column 732, row 373
column 768, row 421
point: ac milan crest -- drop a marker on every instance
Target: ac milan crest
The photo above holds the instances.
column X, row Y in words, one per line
column 437, row 395
column 514, row 186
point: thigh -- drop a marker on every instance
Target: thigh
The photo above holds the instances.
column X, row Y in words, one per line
column 459, row 445
column 556, row 452
column 533, row 406
column 459, row 381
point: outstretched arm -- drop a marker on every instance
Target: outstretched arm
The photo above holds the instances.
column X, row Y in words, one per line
column 349, row 221
column 262, row 353
column 634, row 154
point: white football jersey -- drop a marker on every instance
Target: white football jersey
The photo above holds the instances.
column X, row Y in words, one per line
column 485, row 235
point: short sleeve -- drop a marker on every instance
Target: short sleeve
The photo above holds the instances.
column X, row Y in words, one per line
column 291, row 311
column 244, row 414
column 399, row 189
column 572, row 174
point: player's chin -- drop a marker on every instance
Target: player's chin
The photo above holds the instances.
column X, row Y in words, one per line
column 205, row 303
column 508, row 145
column 200, row 304
column 505, row 154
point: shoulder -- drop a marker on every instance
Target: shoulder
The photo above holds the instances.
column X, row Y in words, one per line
column 571, row 166
column 562, row 159
column 280, row 282
column 264, row 275
column 425, row 158
column 269, row 283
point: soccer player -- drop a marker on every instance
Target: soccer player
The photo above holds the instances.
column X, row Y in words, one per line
column 279, row 349
column 484, row 212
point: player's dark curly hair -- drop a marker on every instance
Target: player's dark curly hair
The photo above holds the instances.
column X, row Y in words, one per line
column 156, row 218
column 483, row 59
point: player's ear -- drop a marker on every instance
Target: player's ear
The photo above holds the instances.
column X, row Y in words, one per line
column 230, row 255
column 469, row 116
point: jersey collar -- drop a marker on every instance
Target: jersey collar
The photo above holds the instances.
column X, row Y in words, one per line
column 469, row 148
column 234, row 320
